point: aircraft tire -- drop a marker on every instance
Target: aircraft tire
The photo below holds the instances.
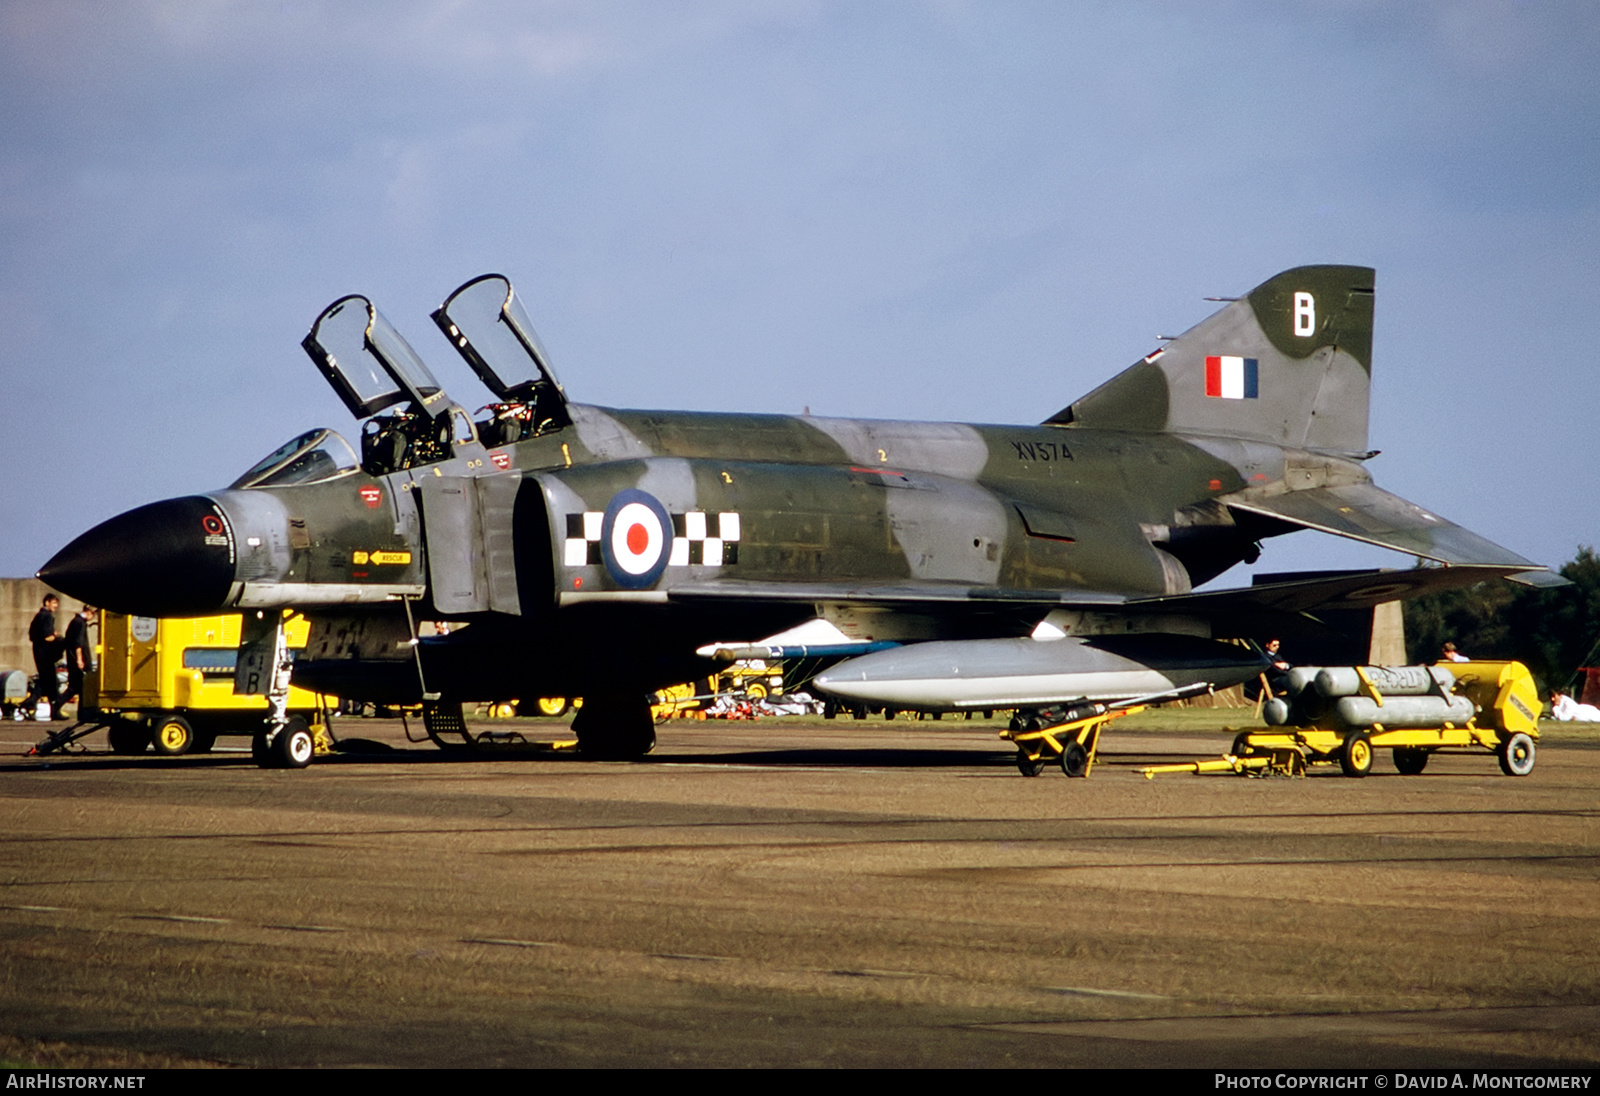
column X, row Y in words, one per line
column 1029, row 766
column 128, row 737
column 1075, row 760
column 1355, row 759
column 1411, row 760
column 173, row 736
column 294, row 746
column 1517, row 755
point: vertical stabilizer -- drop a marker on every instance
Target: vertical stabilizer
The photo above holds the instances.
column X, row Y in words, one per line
column 1290, row 364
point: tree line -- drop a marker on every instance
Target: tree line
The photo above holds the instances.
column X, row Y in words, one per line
column 1553, row 632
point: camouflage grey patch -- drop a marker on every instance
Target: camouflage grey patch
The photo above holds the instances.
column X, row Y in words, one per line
column 949, row 448
column 604, row 436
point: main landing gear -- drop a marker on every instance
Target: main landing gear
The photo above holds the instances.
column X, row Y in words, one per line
column 611, row 728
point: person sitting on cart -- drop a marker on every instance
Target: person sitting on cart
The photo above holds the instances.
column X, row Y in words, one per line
column 1276, row 673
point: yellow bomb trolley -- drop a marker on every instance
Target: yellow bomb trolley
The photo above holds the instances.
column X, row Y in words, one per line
column 1344, row 715
column 167, row 684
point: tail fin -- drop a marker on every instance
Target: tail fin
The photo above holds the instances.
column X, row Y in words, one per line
column 1290, row 364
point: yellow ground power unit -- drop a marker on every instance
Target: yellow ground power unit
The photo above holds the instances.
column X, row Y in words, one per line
column 167, row 684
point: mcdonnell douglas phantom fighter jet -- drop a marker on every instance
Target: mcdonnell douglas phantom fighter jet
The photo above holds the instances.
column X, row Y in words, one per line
column 594, row 552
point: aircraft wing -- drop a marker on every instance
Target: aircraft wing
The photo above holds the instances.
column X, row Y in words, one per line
column 1364, row 512
column 908, row 595
column 1346, row 590
column 1350, row 590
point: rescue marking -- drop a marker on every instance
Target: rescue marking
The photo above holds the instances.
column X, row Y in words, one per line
column 372, row 496
column 380, row 556
column 501, row 459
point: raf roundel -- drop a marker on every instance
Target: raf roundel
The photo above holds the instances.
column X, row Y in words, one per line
column 636, row 539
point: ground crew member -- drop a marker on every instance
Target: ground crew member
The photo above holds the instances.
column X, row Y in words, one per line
column 46, row 643
column 80, row 653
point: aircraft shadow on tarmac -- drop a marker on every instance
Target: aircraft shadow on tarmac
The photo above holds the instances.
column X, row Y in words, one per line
column 360, row 751
column 366, row 752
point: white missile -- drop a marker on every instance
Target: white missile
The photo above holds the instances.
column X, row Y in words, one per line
column 954, row 675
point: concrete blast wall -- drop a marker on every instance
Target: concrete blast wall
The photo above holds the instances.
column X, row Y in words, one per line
column 19, row 600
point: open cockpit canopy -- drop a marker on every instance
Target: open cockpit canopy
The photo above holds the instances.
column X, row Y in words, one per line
column 368, row 362
column 485, row 322
column 315, row 455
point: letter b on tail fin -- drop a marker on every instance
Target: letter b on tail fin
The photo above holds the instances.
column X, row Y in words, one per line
column 1290, row 364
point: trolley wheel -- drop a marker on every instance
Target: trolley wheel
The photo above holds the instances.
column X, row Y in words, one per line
column 756, row 691
column 1356, row 757
column 552, row 706
column 1516, row 755
column 1029, row 766
column 173, row 736
column 1411, row 760
column 128, row 737
column 1075, row 760
column 1241, row 744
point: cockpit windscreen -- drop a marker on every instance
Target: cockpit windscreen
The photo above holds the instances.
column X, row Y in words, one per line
column 313, row 456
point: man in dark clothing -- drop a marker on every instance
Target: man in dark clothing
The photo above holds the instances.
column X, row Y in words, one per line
column 80, row 654
column 1276, row 675
column 46, row 651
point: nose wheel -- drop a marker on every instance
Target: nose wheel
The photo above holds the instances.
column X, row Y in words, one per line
column 291, row 747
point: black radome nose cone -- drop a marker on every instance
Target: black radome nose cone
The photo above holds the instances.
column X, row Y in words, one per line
column 172, row 558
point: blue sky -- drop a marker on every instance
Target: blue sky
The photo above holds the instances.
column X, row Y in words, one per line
column 969, row 211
